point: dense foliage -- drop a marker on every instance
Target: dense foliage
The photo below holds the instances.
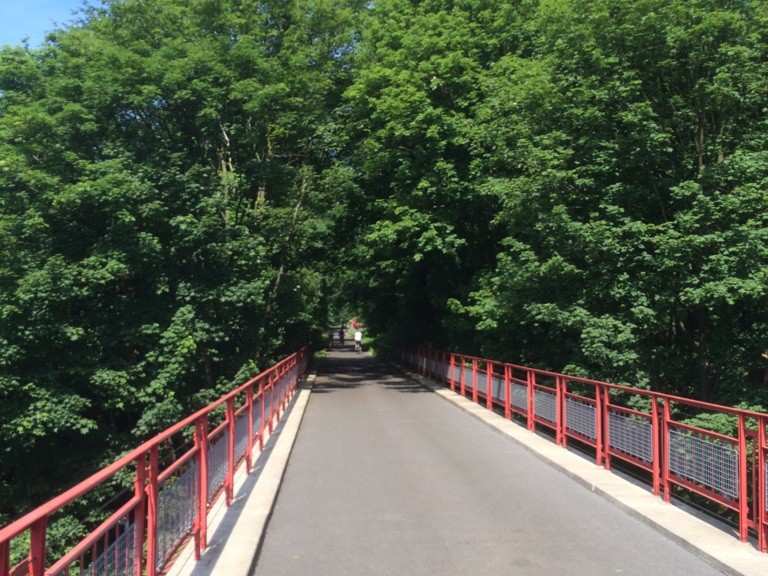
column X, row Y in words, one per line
column 163, row 220
column 188, row 187
column 582, row 186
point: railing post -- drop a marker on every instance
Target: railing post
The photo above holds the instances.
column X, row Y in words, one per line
column 201, row 441
column 275, row 399
column 5, row 558
column 229, row 482
column 743, row 491
column 531, row 376
column 665, row 459
column 474, row 380
column 270, row 391
column 278, row 394
column 262, row 422
column 655, row 445
column 37, row 547
column 152, row 490
column 139, row 514
column 606, row 428
column 452, row 372
column 462, row 378
column 762, row 536
column 249, row 415
column 489, row 385
column 598, row 425
column 562, row 417
column 507, row 392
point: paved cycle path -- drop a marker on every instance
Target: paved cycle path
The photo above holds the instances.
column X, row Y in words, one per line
column 386, row 478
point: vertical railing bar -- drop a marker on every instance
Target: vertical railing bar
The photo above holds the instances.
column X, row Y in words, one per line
column 229, row 482
column 152, row 491
column 531, row 399
column 656, row 456
column 761, row 495
column 507, row 391
column 93, row 556
column 598, row 425
column 139, row 513
column 5, row 558
column 105, row 551
column 116, row 551
column 37, row 547
column 606, row 428
column 563, row 412
column 452, row 372
column 263, row 415
column 271, row 389
column 474, row 380
column 489, row 385
column 201, row 532
column 666, row 448
column 249, row 442
column 743, row 492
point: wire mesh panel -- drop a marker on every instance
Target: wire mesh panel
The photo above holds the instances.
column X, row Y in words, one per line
column 256, row 415
column 632, row 435
column 705, row 460
column 112, row 555
column 267, row 403
column 217, row 463
column 482, row 383
column 117, row 558
column 468, row 377
column 498, row 388
column 545, row 405
column 241, row 435
column 457, row 373
column 520, row 396
column 176, row 502
column 580, row 417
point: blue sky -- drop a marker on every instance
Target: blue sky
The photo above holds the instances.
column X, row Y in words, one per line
column 33, row 18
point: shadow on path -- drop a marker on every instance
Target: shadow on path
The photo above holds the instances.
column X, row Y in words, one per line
column 347, row 370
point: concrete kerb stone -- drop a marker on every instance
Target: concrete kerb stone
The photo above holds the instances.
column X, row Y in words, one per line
column 236, row 532
column 703, row 536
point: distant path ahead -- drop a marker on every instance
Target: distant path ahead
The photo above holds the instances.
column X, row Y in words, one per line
column 386, row 478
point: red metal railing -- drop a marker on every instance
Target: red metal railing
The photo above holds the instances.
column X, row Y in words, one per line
column 632, row 425
column 172, row 494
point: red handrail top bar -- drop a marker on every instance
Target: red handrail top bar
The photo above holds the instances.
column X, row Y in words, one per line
column 631, row 389
column 44, row 510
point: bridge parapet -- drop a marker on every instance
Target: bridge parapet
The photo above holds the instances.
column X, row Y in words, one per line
column 639, row 428
column 177, row 476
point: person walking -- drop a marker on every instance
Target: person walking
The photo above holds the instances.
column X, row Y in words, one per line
column 358, row 340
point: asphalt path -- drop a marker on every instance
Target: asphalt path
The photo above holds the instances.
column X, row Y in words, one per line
column 386, row 478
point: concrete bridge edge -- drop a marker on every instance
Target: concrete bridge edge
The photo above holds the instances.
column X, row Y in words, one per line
column 238, row 531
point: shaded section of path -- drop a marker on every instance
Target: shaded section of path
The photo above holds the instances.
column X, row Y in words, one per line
column 388, row 479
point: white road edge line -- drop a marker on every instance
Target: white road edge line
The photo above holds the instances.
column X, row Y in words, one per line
column 699, row 535
column 236, row 532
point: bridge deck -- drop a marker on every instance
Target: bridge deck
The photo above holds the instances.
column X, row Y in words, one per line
column 387, row 478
